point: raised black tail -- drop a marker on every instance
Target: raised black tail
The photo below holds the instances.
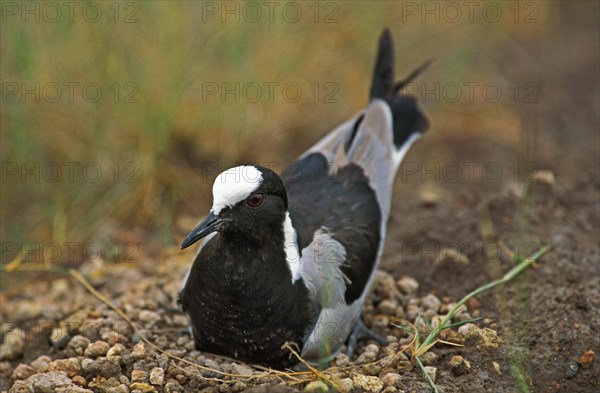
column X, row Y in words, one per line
column 406, row 114
column 383, row 85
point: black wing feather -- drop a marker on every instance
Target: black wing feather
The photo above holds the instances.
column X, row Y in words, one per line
column 345, row 205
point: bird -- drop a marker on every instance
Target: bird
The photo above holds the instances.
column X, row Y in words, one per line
column 290, row 258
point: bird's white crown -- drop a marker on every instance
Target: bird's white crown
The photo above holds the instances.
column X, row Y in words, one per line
column 235, row 185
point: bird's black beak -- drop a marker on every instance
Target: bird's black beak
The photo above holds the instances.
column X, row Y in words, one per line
column 210, row 224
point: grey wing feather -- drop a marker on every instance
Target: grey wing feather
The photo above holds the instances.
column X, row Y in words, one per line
column 320, row 270
column 372, row 148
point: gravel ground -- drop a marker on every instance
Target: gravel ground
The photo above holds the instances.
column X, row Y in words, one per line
column 541, row 329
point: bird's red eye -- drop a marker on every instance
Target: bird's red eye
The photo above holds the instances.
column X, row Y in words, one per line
column 255, row 200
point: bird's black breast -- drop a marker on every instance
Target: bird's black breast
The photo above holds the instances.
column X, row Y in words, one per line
column 344, row 204
column 241, row 306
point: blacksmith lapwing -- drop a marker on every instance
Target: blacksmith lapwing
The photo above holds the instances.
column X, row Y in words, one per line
column 291, row 258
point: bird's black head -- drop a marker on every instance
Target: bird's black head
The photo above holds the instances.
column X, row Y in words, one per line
column 248, row 201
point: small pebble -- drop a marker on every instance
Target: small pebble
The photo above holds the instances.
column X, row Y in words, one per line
column 428, row 358
column 459, row 365
column 70, row 366
column 484, row 338
column 473, row 304
column 240, row 369
column 21, row 387
column 372, row 348
column 118, row 389
column 572, row 370
column 22, row 372
column 496, row 367
column 115, row 350
column 12, row 348
column 41, row 363
column 139, row 351
column 412, row 311
column 367, row 383
column 112, row 337
column 141, row 365
column 446, row 307
column 388, row 306
column 104, row 367
column 380, row 322
column 449, row 255
column 95, row 349
column 387, row 361
column 48, row 382
column 60, row 337
column 239, row 386
column 163, row 361
column 139, row 376
column 91, row 329
column 345, row 385
column 136, row 337
column 142, row 387
column 212, row 365
column 407, row 285
column 190, row 346
column 149, row 316
column 431, row 371
column 463, row 316
column 180, row 320
column 316, row 387
column 586, row 358
column 182, row 379
column 399, row 312
column 157, row 376
column 429, row 198
column 103, row 384
column 79, row 380
column 431, row 302
column 385, row 286
column 544, row 176
column 371, row 368
column 466, row 328
column 404, row 366
column 366, row 357
column 391, row 379
column 175, row 387
column 342, row 360
column 77, row 345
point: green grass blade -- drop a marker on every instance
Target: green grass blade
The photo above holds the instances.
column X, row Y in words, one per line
column 431, row 383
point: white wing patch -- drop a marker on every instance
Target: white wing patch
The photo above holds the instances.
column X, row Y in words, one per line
column 234, row 185
column 292, row 254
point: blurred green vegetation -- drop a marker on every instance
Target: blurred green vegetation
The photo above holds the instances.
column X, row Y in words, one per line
column 163, row 61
